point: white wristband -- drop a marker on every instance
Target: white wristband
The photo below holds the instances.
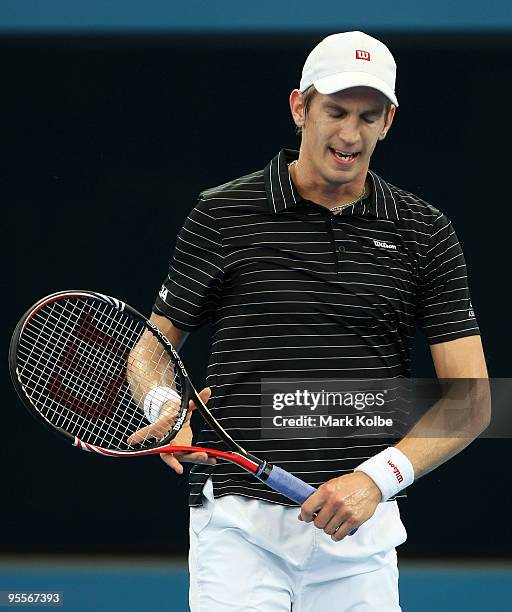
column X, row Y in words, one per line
column 391, row 471
column 155, row 399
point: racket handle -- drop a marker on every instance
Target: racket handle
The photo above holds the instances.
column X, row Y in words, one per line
column 283, row 482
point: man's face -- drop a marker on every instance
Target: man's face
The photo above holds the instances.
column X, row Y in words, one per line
column 340, row 132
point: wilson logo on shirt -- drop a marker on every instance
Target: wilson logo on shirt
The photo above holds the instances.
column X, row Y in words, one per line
column 384, row 245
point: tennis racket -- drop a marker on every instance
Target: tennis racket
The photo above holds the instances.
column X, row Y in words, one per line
column 83, row 363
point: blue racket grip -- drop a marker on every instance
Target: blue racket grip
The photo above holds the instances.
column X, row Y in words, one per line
column 292, row 487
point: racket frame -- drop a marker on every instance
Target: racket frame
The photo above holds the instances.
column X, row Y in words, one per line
column 188, row 391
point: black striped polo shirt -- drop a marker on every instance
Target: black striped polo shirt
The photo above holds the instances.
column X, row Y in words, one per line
column 295, row 291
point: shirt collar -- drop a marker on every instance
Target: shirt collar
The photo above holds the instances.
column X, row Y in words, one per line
column 283, row 195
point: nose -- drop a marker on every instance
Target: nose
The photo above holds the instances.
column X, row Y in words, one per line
column 348, row 131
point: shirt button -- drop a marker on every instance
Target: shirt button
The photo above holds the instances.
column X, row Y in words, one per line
column 341, row 249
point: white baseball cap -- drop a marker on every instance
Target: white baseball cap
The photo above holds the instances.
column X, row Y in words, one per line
column 350, row 59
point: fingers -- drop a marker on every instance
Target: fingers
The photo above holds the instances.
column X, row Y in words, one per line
column 156, row 430
column 335, row 519
column 205, row 395
column 161, row 427
column 310, row 508
column 348, row 528
column 168, row 413
column 340, row 525
column 336, row 511
column 143, row 434
column 174, row 461
column 202, row 458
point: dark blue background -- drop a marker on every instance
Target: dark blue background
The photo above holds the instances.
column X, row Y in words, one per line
column 106, row 142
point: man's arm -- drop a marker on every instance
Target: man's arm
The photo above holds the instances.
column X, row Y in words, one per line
column 458, row 359
column 148, row 364
column 140, row 375
column 346, row 502
column 175, row 335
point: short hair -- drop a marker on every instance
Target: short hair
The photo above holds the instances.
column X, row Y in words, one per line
column 308, row 95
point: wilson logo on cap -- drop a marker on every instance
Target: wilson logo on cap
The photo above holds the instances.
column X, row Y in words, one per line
column 364, row 55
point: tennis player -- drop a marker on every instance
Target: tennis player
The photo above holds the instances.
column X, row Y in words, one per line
column 316, row 267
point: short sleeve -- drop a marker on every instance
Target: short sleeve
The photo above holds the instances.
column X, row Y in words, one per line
column 190, row 292
column 444, row 308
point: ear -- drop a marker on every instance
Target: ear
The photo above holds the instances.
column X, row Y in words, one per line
column 297, row 107
column 387, row 123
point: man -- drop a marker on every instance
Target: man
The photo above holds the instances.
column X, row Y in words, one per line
column 316, row 267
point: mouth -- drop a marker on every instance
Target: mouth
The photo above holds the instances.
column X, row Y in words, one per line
column 343, row 156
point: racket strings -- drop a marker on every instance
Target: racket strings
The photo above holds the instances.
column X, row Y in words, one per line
column 77, row 368
column 74, row 356
column 95, row 398
column 71, row 391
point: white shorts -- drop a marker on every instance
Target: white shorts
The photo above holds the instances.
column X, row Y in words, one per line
column 255, row 556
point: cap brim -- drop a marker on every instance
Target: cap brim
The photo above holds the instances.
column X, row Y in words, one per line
column 345, row 80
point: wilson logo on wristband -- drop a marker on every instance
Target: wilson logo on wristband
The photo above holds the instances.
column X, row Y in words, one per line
column 396, row 471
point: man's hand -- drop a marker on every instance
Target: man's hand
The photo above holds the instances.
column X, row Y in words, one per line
column 184, row 438
column 342, row 504
column 169, row 411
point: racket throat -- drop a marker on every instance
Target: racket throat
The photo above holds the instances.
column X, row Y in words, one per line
column 264, row 471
